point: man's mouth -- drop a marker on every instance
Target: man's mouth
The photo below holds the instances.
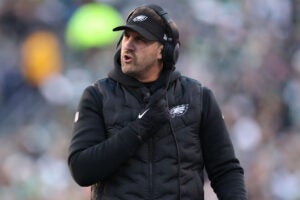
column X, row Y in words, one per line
column 127, row 58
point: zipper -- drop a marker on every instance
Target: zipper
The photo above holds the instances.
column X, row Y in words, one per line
column 150, row 150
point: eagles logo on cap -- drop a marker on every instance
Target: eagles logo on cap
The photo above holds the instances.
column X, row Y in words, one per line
column 140, row 18
column 146, row 25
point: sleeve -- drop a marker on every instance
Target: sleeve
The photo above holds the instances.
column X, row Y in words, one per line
column 222, row 166
column 92, row 156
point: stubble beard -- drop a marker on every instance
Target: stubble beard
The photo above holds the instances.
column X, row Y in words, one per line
column 129, row 68
column 135, row 69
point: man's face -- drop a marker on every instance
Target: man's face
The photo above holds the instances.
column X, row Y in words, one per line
column 140, row 58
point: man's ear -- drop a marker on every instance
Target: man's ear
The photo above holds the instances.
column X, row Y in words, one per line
column 161, row 47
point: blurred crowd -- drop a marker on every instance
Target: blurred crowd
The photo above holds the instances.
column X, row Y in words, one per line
column 247, row 52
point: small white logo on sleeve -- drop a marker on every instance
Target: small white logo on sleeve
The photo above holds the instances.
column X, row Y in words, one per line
column 178, row 110
column 76, row 117
column 143, row 113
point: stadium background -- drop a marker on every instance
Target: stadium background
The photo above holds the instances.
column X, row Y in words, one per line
column 247, row 51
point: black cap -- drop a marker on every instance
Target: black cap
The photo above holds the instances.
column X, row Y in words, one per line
column 145, row 25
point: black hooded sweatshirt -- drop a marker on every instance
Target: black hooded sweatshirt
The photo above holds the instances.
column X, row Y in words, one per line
column 106, row 154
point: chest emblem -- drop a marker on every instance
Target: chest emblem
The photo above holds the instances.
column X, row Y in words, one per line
column 179, row 110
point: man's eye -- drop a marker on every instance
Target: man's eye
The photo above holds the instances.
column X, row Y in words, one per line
column 142, row 39
column 126, row 35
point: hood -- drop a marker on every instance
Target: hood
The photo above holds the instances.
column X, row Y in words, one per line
column 117, row 75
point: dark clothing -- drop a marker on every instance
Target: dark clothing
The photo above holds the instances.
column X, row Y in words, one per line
column 108, row 155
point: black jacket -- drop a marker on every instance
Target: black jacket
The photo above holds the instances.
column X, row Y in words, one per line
column 106, row 154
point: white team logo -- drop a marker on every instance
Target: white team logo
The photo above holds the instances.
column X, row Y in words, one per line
column 140, row 18
column 142, row 114
column 179, row 110
column 76, row 117
column 165, row 37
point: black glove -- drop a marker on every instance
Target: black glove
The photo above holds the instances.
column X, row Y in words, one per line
column 151, row 119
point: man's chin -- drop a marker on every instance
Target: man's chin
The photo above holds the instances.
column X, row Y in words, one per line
column 128, row 72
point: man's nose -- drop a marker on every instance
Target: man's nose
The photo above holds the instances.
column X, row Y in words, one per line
column 129, row 44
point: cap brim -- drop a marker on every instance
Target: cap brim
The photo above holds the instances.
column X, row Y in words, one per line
column 143, row 32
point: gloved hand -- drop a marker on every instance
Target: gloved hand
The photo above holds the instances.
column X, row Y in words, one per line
column 151, row 119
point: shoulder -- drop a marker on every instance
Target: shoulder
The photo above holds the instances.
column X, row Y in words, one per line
column 105, row 82
column 98, row 88
column 189, row 81
column 190, row 84
column 193, row 82
column 104, row 85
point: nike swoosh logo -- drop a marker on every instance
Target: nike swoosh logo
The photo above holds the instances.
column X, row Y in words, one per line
column 143, row 113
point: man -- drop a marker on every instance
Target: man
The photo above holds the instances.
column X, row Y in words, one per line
column 146, row 131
